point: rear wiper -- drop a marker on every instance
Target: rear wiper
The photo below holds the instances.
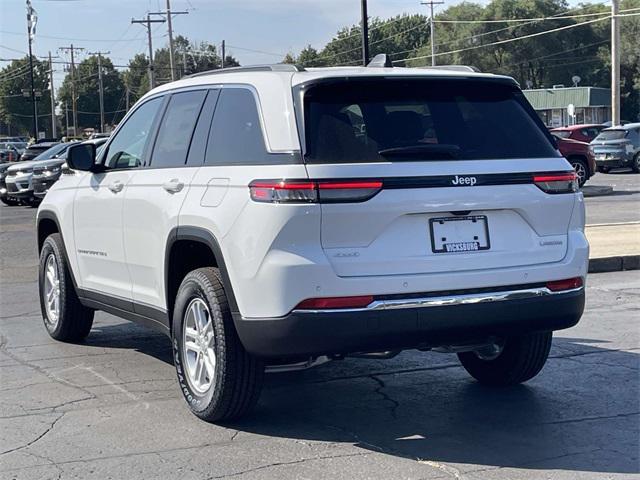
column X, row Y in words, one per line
column 424, row 151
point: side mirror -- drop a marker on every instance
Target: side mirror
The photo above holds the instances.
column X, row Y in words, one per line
column 82, row 156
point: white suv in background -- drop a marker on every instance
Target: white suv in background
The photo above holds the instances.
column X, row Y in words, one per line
column 278, row 217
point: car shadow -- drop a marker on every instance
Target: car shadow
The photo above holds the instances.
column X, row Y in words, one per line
column 579, row 414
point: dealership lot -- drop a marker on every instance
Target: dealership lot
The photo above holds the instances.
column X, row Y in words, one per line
column 111, row 408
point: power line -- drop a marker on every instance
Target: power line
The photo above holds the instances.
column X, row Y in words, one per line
column 432, row 39
column 500, row 42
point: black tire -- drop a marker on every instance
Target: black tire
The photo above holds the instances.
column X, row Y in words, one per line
column 520, row 360
column 635, row 166
column 603, row 169
column 74, row 320
column 238, row 376
column 10, row 201
column 581, row 168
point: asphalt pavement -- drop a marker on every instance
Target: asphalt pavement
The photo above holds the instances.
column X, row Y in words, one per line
column 622, row 206
column 111, row 407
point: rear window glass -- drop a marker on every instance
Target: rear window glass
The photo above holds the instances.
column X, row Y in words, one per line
column 612, row 135
column 411, row 120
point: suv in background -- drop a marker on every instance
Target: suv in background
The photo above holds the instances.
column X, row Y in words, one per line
column 582, row 133
column 47, row 172
column 617, row 147
column 35, row 149
column 272, row 216
column 579, row 155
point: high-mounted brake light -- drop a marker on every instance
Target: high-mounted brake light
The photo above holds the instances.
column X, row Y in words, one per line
column 313, row 191
column 567, row 284
column 334, row 302
column 563, row 182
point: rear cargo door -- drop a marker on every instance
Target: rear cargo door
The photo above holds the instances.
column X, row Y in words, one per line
column 448, row 168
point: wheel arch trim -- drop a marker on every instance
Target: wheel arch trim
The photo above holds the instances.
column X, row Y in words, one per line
column 50, row 215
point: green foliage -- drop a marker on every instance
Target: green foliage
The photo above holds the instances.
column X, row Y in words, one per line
column 15, row 109
column 87, row 88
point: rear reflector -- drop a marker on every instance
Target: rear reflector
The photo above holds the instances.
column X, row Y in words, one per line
column 311, row 191
column 564, row 182
column 568, row 284
column 335, row 302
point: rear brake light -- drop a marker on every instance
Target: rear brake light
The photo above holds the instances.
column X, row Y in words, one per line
column 564, row 182
column 567, row 284
column 335, row 302
column 311, row 191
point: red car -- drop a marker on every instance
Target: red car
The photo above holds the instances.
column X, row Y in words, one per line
column 579, row 156
column 582, row 133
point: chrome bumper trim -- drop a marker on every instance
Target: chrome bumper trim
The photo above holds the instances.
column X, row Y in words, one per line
column 447, row 300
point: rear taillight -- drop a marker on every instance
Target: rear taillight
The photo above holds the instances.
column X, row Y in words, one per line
column 564, row 182
column 567, row 284
column 335, row 302
column 311, row 191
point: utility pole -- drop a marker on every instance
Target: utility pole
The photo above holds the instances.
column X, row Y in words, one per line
column 223, row 54
column 615, row 63
column 169, row 13
column 74, row 104
column 53, row 99
column 184, row 61
column 32, row 19
column 147, row 23
column 431, row 3
column 66, row 118
column 365, row 32
column 100, row 86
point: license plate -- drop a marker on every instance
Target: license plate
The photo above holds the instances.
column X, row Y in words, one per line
column 459, row 234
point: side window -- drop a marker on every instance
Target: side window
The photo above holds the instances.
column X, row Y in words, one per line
column 127, row 147
column 236, row 135
column 176, row 129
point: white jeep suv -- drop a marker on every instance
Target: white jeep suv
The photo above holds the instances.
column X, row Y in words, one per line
column 277, row 217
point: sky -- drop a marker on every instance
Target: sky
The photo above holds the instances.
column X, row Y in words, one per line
column 255, row 31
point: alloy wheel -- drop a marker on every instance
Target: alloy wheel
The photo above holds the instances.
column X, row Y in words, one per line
column 52, row 291
column 198, row 346
column 581, row 172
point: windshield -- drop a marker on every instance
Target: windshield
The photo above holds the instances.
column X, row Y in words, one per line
column 561, row 133
column 52, row 152
column 611, row 135
column 420, row 119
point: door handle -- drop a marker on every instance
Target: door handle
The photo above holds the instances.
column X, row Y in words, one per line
column 173, row 186
column 116, row 186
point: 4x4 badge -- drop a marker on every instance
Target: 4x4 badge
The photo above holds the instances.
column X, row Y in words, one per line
column 471, row 181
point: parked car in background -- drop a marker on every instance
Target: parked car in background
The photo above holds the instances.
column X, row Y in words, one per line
column 47, row 172
column 11, row 151
column 579, row 155
column 582, row 133
column 618, row 147
column 36, row 149
column 4, row 197
column 19, row 176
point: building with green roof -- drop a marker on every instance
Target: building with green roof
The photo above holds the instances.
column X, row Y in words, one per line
column 592, row 104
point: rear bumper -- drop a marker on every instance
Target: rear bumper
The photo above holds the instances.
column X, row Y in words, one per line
column 614, row 162
column 430, row 324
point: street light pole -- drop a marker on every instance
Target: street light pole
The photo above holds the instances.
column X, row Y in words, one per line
column 615, row 63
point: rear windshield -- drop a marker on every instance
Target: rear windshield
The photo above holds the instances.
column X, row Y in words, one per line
column 412, row 120
column 561, row 133
column 611, row 135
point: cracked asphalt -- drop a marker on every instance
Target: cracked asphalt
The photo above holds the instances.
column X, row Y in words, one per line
column 111, row 407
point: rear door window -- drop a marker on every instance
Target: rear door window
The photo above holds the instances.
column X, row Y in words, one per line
column 176, row 129
column 420, row 119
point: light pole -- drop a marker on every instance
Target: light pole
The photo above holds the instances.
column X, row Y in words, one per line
column 615, row 63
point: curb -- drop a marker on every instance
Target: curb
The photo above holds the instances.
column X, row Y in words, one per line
column 596, row 190
column 614, row 264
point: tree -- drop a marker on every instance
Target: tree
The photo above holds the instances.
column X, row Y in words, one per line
column 87, row 92
column 16, row 109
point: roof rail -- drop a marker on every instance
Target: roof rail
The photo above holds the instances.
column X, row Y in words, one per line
column 455, row 68
column 278, row 67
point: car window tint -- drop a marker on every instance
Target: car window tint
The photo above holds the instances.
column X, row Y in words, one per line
column 127, row 147
column 355, row 121
column 236, row 135
column 176, row 129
